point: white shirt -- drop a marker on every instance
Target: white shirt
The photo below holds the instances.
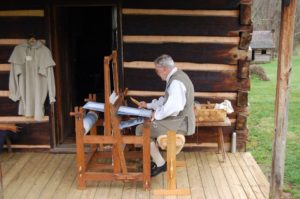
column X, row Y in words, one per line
column 175, row 102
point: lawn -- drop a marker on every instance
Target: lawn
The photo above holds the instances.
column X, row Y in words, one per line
column 261, row 124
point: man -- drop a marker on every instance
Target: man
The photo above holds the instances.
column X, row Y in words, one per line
column 174, row 111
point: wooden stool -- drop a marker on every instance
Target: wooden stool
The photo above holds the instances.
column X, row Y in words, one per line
column 174, row 143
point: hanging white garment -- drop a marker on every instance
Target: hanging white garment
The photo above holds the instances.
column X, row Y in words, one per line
column 31, row 78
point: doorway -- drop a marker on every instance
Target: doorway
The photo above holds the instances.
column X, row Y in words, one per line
column 84, row 35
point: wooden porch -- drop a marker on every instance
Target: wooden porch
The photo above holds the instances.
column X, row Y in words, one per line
column 45, row 175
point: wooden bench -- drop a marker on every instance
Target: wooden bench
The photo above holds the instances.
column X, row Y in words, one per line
column 218, row 126
column 8, row 127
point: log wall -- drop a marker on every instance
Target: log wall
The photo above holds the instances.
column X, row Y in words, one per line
column 208, row 39
column 18, row 22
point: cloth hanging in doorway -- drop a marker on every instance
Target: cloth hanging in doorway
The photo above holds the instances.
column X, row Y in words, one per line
column 31, row 78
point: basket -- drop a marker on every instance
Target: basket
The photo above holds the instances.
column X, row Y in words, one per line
column 207, row 113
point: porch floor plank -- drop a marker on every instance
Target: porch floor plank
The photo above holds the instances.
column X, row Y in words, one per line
column 218, row 175
column 249, row 177
column 182, row 177
column 45, row 175
column 68, row 178
column 16, row 169
column 208, row 182
column 25, row 187
column 258, row 175
column 23, row 174
column 57, row 177
column 103, row 189
column 195, row 182
column 233, row 180
column 243, row 179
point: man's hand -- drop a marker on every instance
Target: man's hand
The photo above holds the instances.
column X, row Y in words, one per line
column 143, row 104
column 152, row 116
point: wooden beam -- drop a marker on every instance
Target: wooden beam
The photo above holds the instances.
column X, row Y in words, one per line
column 22, row 13
column 242, row 98
column 15, row 41
column 21, row 119
column 218, row 13
column 9, row 127
column 183, row 66
column 1, row 183
column 4, row 93
column 245, row 40
column 180, row 39
column 245, row 12
column 284, row 68
column 243, row 69
column 27, row 146
column 241, row 123
column 4, row 67
column 229, row 96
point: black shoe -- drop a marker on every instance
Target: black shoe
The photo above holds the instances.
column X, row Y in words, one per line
column 153, row 165
column 157, row 170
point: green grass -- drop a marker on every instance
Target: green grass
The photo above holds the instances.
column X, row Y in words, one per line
column 261, row 124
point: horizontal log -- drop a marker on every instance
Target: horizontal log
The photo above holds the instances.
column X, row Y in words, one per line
column 178, row 4
column 204, row 81
column 8, row 107
column 4, row 67
column 183, row 66
column 22, row 27
column 222, row 95
column 22, row 13
column 4, row 80
column 5, row 52
column 29, row 146
column 21, row 119
column 182, row 25
column 196, row 53
column 15, row 41
column 33, row 134
column 220, row 13
column 209, row 134
column 8, row 127
column 4, row 93
column 179, row 39
column 201, row 100
column 246, row 2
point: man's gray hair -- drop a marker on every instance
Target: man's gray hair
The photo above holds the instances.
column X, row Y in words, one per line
column 164, row 61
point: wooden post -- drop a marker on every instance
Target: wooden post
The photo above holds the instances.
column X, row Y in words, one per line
column 282, row 93
column 1, row 184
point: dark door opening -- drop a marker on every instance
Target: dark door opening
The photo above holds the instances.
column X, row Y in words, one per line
column 84, row 36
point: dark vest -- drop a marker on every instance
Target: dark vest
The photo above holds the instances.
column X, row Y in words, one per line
column 187, row 114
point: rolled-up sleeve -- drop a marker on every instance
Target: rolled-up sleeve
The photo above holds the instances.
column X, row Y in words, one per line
column 175, row 103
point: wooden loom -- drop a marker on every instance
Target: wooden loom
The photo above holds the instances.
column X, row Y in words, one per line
column 88, row 166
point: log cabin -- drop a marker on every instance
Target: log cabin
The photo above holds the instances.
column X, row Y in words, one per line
column 262, row 46
column 209, row 40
